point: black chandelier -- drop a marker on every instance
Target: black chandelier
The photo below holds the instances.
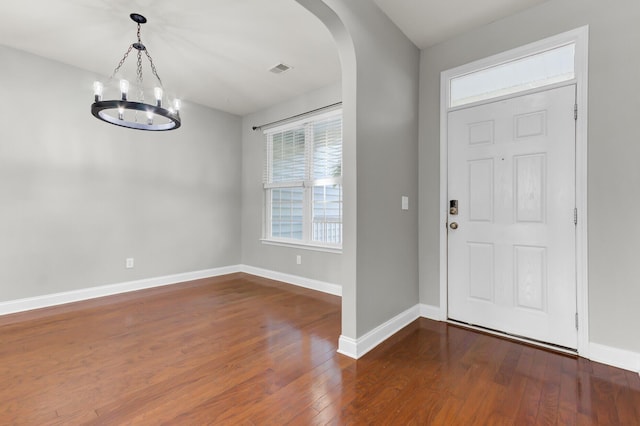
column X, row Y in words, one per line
column 136, row 114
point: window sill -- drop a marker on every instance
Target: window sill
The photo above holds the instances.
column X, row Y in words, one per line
column 303, row 246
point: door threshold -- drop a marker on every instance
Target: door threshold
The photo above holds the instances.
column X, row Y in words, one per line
column 525, row 340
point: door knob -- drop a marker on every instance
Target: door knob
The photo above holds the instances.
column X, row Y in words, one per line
column 453, row 225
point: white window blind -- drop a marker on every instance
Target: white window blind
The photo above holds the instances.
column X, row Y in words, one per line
column 303, row 181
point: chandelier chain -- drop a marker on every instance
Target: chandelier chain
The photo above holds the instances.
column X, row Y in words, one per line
column 124, row 58
column 139, row 63
column 139, row 75
column 153, row 67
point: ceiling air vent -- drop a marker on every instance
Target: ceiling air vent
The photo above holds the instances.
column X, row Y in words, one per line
column 280, row 68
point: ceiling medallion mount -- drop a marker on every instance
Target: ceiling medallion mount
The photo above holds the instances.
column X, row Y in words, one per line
column 136, row 114
column 137, row 18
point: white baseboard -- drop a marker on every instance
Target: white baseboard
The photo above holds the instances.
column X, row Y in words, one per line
column 430, row 312
column 620, row 358
column 322, row 286
column 360, row 346
column 354, row 348
column 615, row 357
column 348, row 346
column 47, row 300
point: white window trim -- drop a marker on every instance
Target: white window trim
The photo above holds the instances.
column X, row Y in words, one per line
column 299, row 245
column 306, row 243
column 579, row 36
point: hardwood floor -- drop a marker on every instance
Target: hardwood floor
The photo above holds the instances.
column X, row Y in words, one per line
column 245, row 350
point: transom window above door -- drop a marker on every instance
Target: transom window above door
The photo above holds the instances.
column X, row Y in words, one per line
column 530, row 72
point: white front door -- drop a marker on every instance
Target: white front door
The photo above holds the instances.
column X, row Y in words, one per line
column 511, row 257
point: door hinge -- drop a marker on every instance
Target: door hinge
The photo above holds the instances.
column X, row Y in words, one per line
column 575, row 216
column 575, row 111
column 576, row 320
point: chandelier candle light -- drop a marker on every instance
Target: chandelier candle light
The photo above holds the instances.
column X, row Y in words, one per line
column 136, row 114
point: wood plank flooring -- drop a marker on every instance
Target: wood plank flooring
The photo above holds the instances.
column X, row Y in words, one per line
column 242, row 350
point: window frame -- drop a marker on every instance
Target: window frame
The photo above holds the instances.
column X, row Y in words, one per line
column 517, row 87
column 307, row 184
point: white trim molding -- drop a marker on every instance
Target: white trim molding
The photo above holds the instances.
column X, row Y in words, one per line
column 48, row 300
column 620, row 358
column 430, row 312
column 355, row 348
column 299, row 281
column 348, row 346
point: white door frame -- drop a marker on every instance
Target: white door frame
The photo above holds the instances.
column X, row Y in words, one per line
column 580, row 37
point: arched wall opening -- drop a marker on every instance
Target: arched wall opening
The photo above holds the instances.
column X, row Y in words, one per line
column 380, row 75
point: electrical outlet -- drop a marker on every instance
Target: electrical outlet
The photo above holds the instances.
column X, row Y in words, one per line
column 405, row 202
column 128, row 263
column 298, row 260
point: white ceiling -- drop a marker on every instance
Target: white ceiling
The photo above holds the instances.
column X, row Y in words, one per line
column 428, row 22
column 218, row 52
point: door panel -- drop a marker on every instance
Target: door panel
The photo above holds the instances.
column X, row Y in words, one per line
column 511, row 260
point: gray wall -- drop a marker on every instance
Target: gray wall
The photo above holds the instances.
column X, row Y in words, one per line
column 315, row 265
column 613, row 176
column 79, row 195
column 380, row 87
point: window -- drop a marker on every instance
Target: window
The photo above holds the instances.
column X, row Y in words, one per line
column 303, row 181
column 537, row 70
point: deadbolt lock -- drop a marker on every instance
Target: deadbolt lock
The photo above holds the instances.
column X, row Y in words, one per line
column 453, row 207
